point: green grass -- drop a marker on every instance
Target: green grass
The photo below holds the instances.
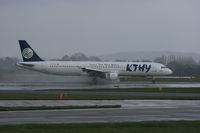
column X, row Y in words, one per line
column 28, row 96
column 23, row 108
column 81, row 94
column 132, row 127
column 94, row 97
column 87, row 97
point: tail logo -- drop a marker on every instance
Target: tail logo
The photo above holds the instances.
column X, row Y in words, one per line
column 27, row 53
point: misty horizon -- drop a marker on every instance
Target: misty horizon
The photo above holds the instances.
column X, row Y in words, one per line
column 96, row 28
column 123, row 56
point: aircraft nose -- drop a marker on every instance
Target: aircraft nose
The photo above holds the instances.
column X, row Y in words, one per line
column 169, row 71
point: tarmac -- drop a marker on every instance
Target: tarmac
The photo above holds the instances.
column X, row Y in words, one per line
column 131, row 110
column 65, row 85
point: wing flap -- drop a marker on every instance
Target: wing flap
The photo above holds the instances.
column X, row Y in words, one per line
column 93, row 72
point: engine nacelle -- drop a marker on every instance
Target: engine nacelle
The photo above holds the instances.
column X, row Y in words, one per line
column 111, row 76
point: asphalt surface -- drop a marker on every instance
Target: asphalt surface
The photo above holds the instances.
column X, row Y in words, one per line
column 36, row 87
column 64, row 85
column 132, row 110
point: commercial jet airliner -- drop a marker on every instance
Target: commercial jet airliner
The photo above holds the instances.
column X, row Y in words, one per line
column 106, row 70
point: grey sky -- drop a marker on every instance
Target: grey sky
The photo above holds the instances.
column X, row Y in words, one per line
column 58, row 27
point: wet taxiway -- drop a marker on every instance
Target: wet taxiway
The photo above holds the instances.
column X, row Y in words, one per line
column 132, row 110
column 71, row 88
column 65, row 85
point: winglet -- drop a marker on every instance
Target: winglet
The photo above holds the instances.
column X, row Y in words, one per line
column 28, row 54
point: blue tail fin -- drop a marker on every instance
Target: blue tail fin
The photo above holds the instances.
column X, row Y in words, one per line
column 28, row 54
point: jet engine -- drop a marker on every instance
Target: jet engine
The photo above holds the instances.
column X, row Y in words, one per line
column 111, row 76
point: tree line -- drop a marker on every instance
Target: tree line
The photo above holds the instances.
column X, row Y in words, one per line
column 181, row 66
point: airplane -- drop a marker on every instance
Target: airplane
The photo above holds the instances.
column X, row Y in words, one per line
column 106, row 70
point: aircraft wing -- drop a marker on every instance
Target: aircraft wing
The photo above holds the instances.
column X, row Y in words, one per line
column 93, row 72
column 102, row 74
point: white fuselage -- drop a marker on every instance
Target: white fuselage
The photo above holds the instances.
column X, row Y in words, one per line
column 75, row 68
column 106, row 70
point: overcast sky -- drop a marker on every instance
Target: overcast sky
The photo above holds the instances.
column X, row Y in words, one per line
column 96, row 27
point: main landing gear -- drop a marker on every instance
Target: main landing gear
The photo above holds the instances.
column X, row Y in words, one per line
column 153, row 80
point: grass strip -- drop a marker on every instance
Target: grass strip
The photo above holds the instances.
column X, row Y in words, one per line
column 153, row 90
column 96, row 97
column 23, row 108
column 81, row 94
column 127, row 127
column 74, row 96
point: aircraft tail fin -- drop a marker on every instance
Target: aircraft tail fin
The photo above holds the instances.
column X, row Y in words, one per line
column 28, row 54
